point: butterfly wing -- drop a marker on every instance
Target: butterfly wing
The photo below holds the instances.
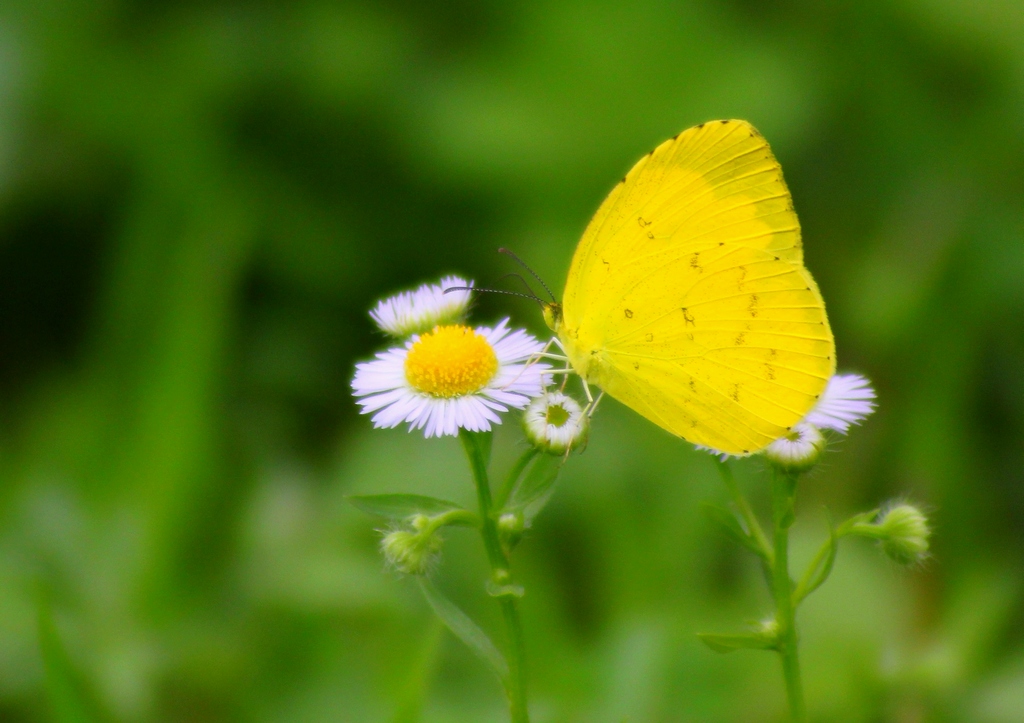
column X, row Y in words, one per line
column 688, row 301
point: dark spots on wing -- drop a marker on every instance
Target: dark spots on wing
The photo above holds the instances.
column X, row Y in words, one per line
column 701, row 125
column 776, row 258
column 752, row 306
column 693, row 386
column 735, row 392
column 772, row 353
column 605, row 262
column 689, row 337
column 808, row 288
column 725, row 122
column 593, row 352
column 629, row 313
column 769, row 372
column 695, row 262
column 688, row 318
column 746, row 451
column 643, row 222
column 649, row 337
column 829, row 358
column 693, row 423
column 636, row 365
column 650, row 235
column 740, row 339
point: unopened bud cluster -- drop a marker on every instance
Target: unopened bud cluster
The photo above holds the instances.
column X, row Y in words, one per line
column 413, row 551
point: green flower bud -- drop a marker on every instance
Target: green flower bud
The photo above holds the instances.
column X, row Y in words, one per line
column 510, row 527
column 414, row 551
column 903, row 532
column 798, row 450
column 555, row 423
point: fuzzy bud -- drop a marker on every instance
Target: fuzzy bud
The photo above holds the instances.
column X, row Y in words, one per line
column 412, row 551
column 903, row 532
column 555, row 423
column 798, row 450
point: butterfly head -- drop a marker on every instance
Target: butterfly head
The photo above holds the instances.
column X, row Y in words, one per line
column 553, row 316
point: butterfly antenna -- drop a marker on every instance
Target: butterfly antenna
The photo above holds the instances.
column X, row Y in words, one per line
column 495, row 291
column 520, row 277
column 532, row 272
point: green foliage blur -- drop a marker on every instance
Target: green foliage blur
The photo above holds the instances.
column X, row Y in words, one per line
column 200, row 200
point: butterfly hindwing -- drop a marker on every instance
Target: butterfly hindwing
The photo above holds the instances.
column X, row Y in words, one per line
column 688, row 300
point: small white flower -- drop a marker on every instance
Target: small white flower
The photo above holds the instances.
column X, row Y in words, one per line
column 847, row 400
column 420, row 310
column 797, row 450
column 450, row 378
column 555, row 423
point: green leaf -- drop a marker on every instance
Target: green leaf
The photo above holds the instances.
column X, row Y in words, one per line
column 745, row 641
column 465, row 629
column 726, row 519
column 402, row 507
column 821, row 569
column 536, row 487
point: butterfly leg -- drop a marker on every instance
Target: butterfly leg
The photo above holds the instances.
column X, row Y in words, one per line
column 542, row 354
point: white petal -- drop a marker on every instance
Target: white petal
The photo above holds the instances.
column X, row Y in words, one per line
column 848, row 399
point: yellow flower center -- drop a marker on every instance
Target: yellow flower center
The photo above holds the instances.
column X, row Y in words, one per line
column 450, row 361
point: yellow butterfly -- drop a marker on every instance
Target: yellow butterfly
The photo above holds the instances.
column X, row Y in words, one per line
column 688, row 301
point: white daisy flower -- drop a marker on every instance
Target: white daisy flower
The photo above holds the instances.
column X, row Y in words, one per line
column 847, row 400
column 420, row 310
column 797, row 450
column 555, row 423
column 450, row 378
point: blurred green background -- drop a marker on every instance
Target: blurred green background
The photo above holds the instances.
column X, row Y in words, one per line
column 199, row 201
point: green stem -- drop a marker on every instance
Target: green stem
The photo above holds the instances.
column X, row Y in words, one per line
column 753, row 526
column 501, row 576
column 783, row 491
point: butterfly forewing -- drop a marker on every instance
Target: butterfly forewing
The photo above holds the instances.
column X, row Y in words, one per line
column 688, row 301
